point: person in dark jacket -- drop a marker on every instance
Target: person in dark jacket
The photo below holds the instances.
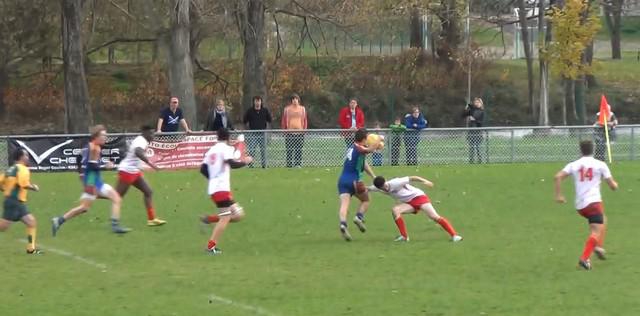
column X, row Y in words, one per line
column 414, row 122
column 474, row 117
column 218, row 118
column 257, row 118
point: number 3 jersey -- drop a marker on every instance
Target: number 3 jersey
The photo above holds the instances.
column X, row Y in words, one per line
column 587, row 173
column 219, row 170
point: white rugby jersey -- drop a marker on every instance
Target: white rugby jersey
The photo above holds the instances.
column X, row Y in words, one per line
column 401, row 190
column 131, row 163
column 219, row 169
column 587, row 173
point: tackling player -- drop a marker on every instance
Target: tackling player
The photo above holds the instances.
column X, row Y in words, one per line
column 588, row 173
column 94, row 186
column 350, row 183
column 15, row 183
column 412, row 200
column 130, row 173
column 216, row 167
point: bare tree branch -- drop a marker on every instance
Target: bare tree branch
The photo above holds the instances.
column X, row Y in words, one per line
column 218, row 79
column 119, row 40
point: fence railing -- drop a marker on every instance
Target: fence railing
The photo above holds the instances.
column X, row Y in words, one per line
column 327, row 148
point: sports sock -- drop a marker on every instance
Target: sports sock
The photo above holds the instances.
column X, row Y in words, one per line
column 591, row 243
column 447, row 226
column 31, row 238
column 360, row 215
column 61, row 220
column 401, row 227
column 211, row 244
column 115, row 222
column 151, row 213
column 343, row 223
column 213, row 218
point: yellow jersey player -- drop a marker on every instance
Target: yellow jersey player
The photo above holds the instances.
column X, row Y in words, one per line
column 15, row 183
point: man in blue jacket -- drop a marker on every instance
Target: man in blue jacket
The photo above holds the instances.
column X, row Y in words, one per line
column 414, row 122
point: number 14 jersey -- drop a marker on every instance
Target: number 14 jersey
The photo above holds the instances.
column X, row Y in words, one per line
column 587, row 173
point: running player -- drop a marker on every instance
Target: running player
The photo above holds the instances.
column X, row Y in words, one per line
column 130, row 173
column 216, row 168
column 350, row 183
column 588, row 173
column 94, row 187
column 412, row 200
column 15, row 183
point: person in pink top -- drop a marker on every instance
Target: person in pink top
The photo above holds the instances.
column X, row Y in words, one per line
column 294, row 121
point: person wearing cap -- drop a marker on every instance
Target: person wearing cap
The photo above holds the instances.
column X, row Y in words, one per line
column 171, row 118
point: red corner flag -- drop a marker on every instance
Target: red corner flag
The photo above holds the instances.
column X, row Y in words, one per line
column 603, row 118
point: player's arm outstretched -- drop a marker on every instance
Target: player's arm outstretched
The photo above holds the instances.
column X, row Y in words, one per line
column 368, row 170
column 422, row 180
column 560, row 176
column 142, row 156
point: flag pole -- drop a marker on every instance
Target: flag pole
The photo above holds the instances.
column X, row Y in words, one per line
column 606, row 135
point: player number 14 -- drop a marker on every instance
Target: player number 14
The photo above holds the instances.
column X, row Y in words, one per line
column 586, row 174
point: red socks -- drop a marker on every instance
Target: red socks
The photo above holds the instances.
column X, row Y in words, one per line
column 213, row 218
column 401, row 227
column 446, row 226
column 211, row 244
column 591, row 243
column 151, row 213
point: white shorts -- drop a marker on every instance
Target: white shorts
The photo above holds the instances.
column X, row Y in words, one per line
column 105, row 191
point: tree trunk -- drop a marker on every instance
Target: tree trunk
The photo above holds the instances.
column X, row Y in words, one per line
column 416, row 30
column 180, row 65
column 77, row 110
column 4, row 82
column 588, row 59
column 581, row 113
column 526, row 44
column 251, row 18
column 569, row 101
column 544, row 37
column 613, row 18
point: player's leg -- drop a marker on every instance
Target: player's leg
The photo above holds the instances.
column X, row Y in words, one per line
column 30, row 221
column 345, row 199
column 431, row 212
column 595, row 230
column 142, row 185
column 221, row 225
column 599, row 249
column 8, row 215
column 4, row 224
column 363, row 196
column 397, row 212
column 85, row 203
column 122, row 187
column 116, row 204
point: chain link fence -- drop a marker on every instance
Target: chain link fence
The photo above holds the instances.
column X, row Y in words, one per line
column 327, row 148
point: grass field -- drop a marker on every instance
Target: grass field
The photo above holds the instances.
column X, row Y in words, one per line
column 518, row 258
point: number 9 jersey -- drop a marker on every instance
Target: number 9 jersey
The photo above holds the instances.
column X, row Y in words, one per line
column 587, row 173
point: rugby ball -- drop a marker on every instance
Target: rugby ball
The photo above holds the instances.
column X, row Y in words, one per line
column 375, row 141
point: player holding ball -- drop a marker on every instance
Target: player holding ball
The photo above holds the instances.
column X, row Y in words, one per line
column 350, row 182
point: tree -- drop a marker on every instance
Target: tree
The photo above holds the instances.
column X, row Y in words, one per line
column 574, row 27
column 526, row 44
column 250, row 15
column 77, row 110
column 27, row 34
column 544, row 37
column 417, row 29
column 613, row 18
column 179, row 63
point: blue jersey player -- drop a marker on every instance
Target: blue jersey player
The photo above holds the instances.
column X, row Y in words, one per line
column 350, row 182
column 94, row 186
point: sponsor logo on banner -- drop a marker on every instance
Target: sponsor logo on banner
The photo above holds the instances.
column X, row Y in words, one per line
column 180, row 154
column 63, row 154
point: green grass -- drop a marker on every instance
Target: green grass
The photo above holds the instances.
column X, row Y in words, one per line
column 518, row 256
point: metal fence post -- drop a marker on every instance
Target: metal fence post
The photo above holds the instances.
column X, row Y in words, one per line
column 633, row 144
column 513, row 145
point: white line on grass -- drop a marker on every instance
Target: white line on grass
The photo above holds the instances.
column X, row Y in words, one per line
column 90, row 262
column 255, row 309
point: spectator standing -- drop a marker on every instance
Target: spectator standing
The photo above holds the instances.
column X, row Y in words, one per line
column 351, row 118
column 294, row 122
column 171, row 118
column 600, row 137
column 397, row 131
column 414, row 122
column 218, row 118
column 474, row 117
column 257, row 118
